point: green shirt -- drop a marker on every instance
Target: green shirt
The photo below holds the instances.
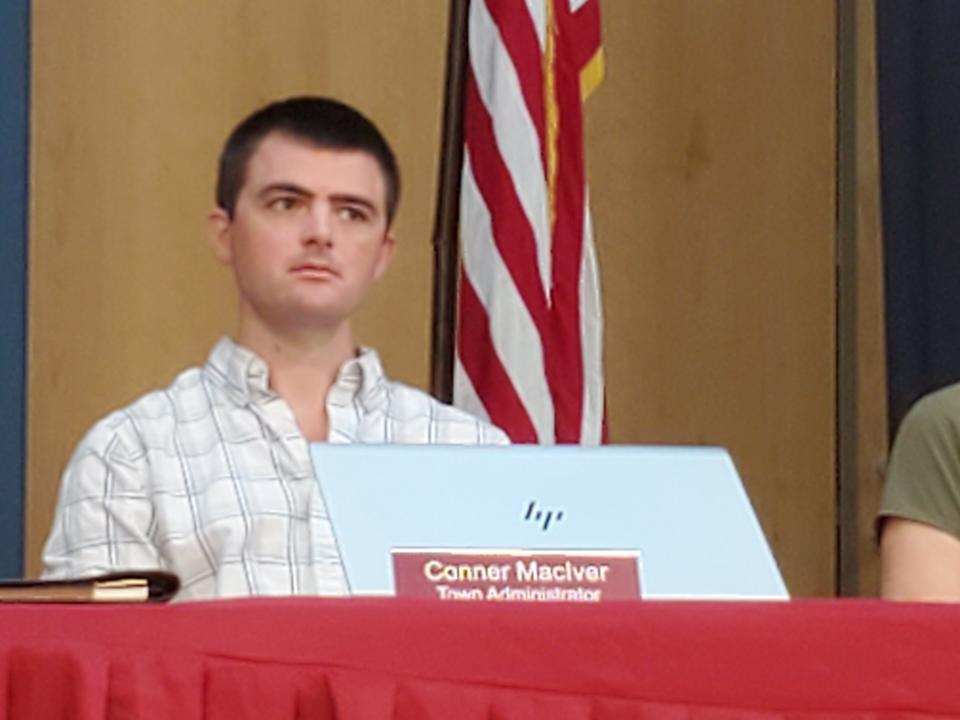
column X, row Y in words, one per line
column 923, row 478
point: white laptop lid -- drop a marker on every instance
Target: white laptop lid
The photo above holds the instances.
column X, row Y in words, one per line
column 683, row 508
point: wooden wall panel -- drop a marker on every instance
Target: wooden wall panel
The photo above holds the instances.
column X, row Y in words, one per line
column 130, row 104
column 872, row 430
column 711, row 160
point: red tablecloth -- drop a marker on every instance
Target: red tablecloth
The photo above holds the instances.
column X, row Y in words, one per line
column 372, row 659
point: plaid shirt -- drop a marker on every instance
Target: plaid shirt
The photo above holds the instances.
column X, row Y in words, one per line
column 211, row 478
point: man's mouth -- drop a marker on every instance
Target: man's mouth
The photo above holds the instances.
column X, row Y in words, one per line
column 314, row 270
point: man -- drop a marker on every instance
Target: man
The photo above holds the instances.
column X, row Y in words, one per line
column 919, row 518
column 211, row 477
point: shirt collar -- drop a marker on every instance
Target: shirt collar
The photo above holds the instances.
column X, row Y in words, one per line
column 360, row 379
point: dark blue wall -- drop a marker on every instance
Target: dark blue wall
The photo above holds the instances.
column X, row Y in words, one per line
column 918, row 56
column 14, row 83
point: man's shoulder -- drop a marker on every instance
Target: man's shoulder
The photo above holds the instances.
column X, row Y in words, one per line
column 936, row 415
column 450, row 424
column 126, row 427
column 923, row 475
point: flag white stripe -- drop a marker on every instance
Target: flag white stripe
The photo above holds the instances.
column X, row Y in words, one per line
column 514, row 130
column 538, row 16
column 591, row 337
column 513, row 333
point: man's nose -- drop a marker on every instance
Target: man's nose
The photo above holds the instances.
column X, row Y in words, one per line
column 318, row 225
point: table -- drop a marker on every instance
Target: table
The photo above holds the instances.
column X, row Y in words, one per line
column 371, row 659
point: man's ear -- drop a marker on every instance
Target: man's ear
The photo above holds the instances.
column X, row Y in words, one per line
column 218, row 234
column 386, row 255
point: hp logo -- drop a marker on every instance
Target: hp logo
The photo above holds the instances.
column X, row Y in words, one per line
column 542, row 517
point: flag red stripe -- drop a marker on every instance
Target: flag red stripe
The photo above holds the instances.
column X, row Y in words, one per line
column 584, row 40
column 486, row 372
column 568, row 240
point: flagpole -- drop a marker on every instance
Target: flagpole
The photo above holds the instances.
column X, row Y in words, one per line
column 446, row 221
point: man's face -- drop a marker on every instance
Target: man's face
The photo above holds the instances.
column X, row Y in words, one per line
column 308, row 236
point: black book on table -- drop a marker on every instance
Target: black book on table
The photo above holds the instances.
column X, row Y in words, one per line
column 117, row 587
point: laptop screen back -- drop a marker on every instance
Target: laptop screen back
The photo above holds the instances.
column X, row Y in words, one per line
column 682, row 508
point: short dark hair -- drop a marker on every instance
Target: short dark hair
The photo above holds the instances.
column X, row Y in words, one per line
column 319, row 121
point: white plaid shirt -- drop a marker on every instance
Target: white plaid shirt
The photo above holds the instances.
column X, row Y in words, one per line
column 211, row 478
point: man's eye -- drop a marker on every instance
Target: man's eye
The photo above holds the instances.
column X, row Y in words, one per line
column 351, row 214
column 285, row 203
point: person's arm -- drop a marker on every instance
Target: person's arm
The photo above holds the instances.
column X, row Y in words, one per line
column 104, row 516
column 919, row 562
column 919, row 518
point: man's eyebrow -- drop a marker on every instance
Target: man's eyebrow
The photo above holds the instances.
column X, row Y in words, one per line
column 284, row 187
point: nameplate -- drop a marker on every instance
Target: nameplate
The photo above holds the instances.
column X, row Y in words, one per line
column 517, row 576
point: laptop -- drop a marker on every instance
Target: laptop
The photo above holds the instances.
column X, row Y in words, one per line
column 683, row 510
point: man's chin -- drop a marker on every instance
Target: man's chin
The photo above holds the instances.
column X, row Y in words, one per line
column 301, row 315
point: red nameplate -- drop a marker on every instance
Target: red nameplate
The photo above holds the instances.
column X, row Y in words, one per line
column 537, row 576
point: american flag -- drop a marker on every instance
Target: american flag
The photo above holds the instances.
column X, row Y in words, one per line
column 529, row 337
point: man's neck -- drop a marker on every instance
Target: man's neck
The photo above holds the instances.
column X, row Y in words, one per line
column 303, row 367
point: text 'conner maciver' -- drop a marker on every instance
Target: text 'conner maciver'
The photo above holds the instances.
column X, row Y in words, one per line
column 519, row 571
